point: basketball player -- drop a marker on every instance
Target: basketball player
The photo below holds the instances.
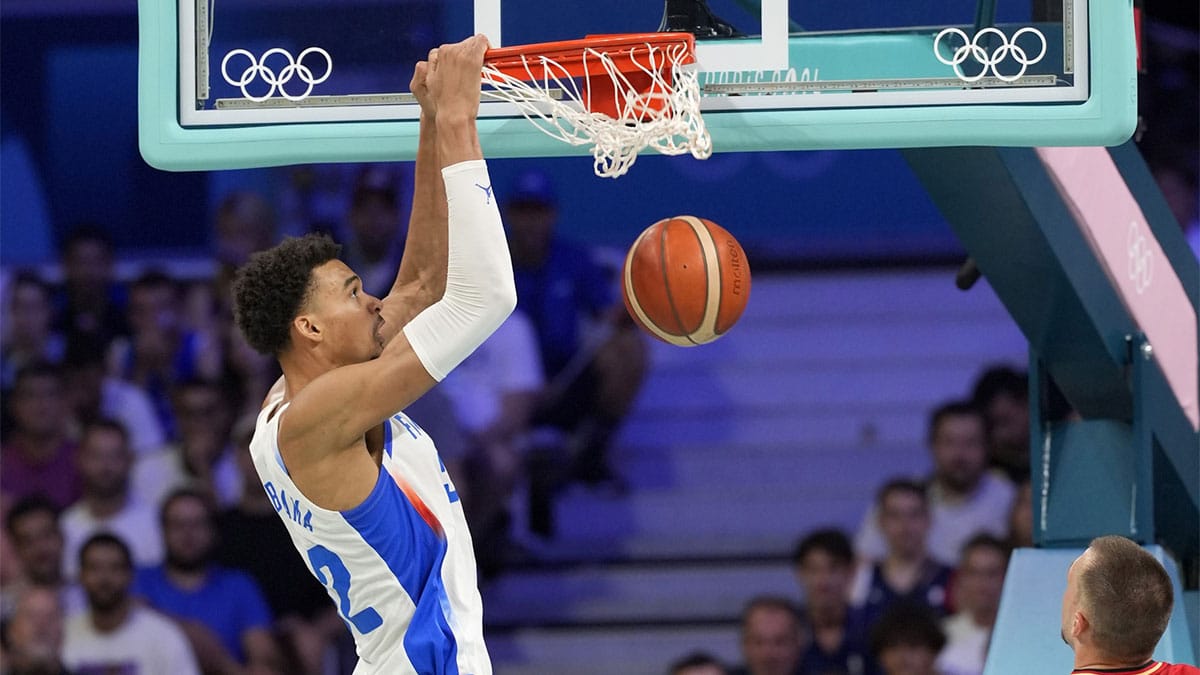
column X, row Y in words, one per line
column 358, row 484
column 1115, row 610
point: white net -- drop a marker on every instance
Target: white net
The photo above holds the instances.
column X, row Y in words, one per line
column 664, row 116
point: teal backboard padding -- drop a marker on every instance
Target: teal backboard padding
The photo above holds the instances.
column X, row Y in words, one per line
column 1027, row 637
column 1107, row 117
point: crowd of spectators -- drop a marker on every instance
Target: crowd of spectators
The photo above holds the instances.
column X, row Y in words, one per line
column 916, row 590
column 136, row 529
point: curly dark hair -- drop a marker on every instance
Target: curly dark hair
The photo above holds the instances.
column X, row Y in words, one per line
column 271, row 288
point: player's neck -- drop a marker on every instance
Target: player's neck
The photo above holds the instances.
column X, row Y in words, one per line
column 1088, row 658
column 301, row 368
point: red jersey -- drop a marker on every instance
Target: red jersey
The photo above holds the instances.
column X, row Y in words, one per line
column 1151, row 668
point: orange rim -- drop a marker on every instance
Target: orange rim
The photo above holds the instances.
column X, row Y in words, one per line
column 569, row 54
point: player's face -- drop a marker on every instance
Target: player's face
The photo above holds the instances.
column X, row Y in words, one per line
column 771, row 642
column 349, row 316
column 824, row 579
column 959, row 451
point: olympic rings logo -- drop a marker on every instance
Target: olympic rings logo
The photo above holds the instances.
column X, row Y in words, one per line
column 1141, row 259
column 295, row 68
column 971, row 48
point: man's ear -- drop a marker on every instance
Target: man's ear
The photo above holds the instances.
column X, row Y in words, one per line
column 1079, row 625
column 307, row 329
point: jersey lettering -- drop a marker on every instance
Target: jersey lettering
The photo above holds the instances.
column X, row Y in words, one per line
column 451, row 493
column 279, row 499
column 338, row 581
column 409, row 426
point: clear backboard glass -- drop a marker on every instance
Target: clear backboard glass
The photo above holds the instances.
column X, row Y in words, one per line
column 773, row 74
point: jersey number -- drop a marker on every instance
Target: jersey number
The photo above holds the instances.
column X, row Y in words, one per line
column 366, row 620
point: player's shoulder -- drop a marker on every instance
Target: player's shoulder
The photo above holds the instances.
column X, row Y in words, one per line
column 1178, row 669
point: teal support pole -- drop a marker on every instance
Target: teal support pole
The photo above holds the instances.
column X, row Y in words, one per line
column 1006, row 209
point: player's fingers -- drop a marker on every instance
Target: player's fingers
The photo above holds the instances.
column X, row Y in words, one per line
column 479, row 46
column 433, row 58
column 420, row 72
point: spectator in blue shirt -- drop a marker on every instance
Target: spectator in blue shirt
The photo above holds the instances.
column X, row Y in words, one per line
column 221, row 610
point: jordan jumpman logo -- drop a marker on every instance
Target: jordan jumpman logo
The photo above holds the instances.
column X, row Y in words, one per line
column 487, row 191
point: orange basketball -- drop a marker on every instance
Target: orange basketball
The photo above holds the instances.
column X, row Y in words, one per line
column 686, row 280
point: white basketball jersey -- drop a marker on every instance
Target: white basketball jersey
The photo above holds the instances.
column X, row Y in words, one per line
column 399, row 566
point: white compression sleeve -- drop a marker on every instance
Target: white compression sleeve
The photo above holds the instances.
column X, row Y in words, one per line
column 480, row 292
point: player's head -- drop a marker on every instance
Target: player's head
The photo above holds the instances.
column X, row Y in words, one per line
column 1117, row 602
column 297, row 297
column 957, row 440
column 823, row 563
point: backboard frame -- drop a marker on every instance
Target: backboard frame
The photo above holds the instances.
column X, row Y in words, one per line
column 1106, row 117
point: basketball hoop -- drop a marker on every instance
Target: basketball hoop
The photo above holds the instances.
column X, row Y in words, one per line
column 619, row 93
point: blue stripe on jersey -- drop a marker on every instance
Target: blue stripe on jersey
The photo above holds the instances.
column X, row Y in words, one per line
column 387, row 438
column 279, row 460
column 390, row 524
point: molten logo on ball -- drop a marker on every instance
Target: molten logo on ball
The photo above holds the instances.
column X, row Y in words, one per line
column 686, row 280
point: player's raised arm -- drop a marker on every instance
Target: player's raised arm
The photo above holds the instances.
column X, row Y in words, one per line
column 421, row 279
column 342, row 402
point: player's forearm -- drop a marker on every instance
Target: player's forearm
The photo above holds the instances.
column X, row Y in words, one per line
column 424, row 262
column 458, row 139
column 480, row 292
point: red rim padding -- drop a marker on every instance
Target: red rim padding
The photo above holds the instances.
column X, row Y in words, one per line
column 603, row 95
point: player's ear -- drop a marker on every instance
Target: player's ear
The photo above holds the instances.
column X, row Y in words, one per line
column 1079, row 625
column 307, row 329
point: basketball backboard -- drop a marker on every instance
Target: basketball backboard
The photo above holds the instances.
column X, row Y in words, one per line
column 241, row 83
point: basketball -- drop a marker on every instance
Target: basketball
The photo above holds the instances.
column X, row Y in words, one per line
column 686, row 280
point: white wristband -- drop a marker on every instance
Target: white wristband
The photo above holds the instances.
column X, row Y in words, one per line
column 480, row 293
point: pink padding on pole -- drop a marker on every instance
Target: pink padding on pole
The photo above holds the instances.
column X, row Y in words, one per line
column 1107, row 212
